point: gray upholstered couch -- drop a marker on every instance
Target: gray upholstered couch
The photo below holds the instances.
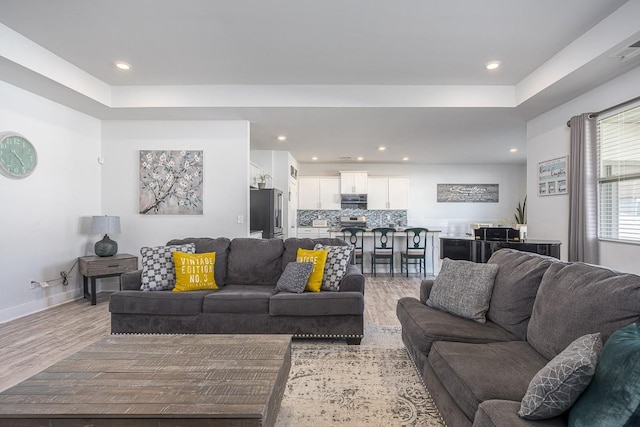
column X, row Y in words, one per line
column 478, row 373
column 246, row 271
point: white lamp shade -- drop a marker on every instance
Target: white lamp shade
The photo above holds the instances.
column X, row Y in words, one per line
column 105, row 224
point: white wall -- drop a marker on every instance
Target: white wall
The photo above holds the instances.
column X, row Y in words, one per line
column 42, row 216
column 225, row 188
column 452, row 218
column 547, row 138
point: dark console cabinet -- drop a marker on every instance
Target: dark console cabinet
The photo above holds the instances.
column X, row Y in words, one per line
column 481, row 250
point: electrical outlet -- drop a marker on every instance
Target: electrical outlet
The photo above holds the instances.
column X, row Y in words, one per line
column 240, row 219
column 33, row 284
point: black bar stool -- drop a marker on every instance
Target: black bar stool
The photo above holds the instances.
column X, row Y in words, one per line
column 416, row 250
column 382, row 248
column 355, row 237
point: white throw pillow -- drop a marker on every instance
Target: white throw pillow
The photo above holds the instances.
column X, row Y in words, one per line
column 158, row 271
column 336, row 265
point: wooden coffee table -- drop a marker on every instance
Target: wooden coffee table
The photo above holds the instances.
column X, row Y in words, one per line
column 157, row 380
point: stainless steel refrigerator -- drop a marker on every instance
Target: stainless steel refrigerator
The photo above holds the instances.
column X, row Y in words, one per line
column 266, row 212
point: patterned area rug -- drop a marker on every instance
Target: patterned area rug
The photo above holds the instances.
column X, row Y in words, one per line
column 374, row 384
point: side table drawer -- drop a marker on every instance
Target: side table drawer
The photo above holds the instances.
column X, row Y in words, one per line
column 104, row 266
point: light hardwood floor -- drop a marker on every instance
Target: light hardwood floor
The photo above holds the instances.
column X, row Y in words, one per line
column 32, row 343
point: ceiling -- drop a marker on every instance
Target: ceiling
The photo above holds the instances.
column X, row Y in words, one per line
column 339, row 78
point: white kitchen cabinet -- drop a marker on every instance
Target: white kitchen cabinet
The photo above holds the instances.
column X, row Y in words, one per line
column 313, row 232
column 353, row 182
column 388, row 193
column 319, row 193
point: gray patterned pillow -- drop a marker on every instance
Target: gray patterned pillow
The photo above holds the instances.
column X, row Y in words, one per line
column 158, row 272
column 336, row 265
column 557, row 386
column 294, row 278
column 463, row 288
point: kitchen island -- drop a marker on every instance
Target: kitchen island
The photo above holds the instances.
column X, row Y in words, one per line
column 432, row 261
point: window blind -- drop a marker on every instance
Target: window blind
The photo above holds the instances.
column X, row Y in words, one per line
column 618, row 137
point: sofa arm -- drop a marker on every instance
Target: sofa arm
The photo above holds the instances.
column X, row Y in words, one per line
column 425, row 289
column 131, row 281
column 353, row 281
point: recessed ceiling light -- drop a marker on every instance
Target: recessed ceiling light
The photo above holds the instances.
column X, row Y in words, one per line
column 492, row 65
column 513, row 150
column 282, row 138
column 123, row 65
column 360, row 158
column 405, row 158
column 382, row 148
column 314, row 158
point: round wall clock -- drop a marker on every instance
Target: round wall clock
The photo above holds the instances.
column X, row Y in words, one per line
column 18, row 157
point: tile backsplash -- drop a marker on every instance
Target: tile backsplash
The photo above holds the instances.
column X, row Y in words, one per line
column 374, row 218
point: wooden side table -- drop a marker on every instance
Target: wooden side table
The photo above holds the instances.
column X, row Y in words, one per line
column 96, row 267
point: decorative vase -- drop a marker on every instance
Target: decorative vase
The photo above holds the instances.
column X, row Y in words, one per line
column 523, row 231
column 106, row 247
column 260, row 185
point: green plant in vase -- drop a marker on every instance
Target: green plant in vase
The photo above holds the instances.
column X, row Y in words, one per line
column 520, row 215
column 262, row 180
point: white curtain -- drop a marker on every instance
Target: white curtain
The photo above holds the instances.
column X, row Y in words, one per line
column 583, row 190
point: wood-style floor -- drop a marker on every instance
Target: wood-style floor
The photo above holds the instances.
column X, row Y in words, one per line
column 32, row 343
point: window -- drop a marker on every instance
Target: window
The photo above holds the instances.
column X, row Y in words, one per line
column 619, row 175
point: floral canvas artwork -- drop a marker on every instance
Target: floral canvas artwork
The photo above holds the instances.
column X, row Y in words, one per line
column 171, row 182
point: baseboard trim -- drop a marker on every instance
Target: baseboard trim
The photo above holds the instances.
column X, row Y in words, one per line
column 22, row 310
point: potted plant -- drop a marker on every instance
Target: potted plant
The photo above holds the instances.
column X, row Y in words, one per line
column 521, row 219
column 520, row 215
column 262, row 180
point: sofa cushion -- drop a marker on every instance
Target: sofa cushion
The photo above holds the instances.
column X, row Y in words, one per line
column 292, row 244
column 218, row 245
column 158, row 272
column 294, row 277
column 317, row 304
column 578, row 299
column 558, row 385
column 239, row 299
column 425, row 325
column 194, row 272
column 501, row 413
column 463, row 288
column 161, row 302
column 473, row 373
column 255, row 261
column 515, row 288
column 318, row 258
column 336, row 265
column 613, row 397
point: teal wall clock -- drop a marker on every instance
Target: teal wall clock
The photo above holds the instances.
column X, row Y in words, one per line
column 18, row 157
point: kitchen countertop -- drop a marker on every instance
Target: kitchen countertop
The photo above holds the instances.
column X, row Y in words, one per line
column 369, row 230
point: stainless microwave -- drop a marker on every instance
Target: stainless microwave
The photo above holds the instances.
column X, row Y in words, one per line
column 353, row 201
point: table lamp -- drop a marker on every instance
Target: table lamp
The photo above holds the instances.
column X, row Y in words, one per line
column 105, row 225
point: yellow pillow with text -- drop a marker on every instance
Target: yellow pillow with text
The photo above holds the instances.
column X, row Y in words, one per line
column 194, row 272
column 318, row 258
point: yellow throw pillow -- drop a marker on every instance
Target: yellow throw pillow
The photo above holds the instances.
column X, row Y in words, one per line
column 318, row 258
column 194, row 272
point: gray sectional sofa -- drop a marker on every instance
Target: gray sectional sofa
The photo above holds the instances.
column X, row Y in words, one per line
column 246, row 271
column 478, row 373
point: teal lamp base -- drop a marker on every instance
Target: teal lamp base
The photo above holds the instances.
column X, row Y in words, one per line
column 106, row 247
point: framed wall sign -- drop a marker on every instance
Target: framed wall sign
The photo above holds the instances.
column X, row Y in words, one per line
column 553, row 177
column 468, row 193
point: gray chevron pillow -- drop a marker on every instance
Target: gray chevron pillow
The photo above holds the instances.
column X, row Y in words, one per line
column 557, row 386
column 294, row 278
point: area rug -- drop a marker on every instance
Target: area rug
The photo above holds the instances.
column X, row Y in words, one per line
column 373, row 384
